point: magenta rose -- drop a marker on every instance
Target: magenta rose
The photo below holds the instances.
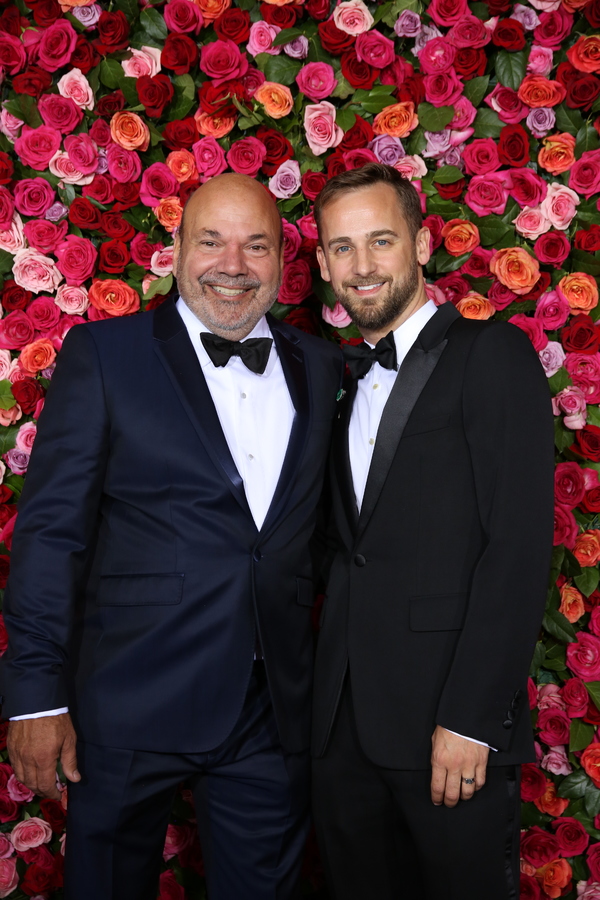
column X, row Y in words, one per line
column 443, row 88
column 552, row 310
column 554, row 26
column 538, row 847
column 316, row 79
column 123, row 165
column 321, row 131
column 291, row 241
column 246, row 156
column 100, row 130
column 157, row 182
column 500, row 296
column 209, row 156
column 77, row 259
column 43, row 313
column 569, row 484
column 7, row 208
column 375, row 49
column 527, row 188
column 507, row 104
column 436, row 56
column 36, row 146
column 488, row 193
column 222, row 61
column 571, row 836
column 43, row 235
column 447, row 12
column 59, row 112
column 584, row 177
column 13, row 57
column 82, row 152
column 554, row 726
column 469, row 31
column 565, row 527
column 141, row 250
column 16, row 330
column 583, row 656
column 584, row 369
column 593, row 861
column 552, row 248
column 296, row 283
column 481, row 157
column 56, row 45
column 182, row 17
column 576, row 697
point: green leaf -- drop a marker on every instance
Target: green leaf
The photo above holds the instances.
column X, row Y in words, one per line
column 316, row 51
column 130, row 8
column 6, row 262
column 593, row 415
column 345, row 118
column 587, row 139
column 563, row 436
column 25, row 108
column 8, row 438
column 7, row 400
column 282, row 69
column 444, row 262
column 416, row 142
column 286, row 35
column 111, row 73
column 559, row 626
column 587, row 582
column 129, row 88
column 377, row 103
column 569, row 120
column 539, row 655
column 574, row 785
column 434, row 118
column 323, row 291
column 475, row 89
column 559, row 381
column 581, row 735
column 491, row 230
column 585, row 262
column 77, row 25
column 570, row 566
column 510, row 68
column 487, row 124
column 153, row 24
column 343, row 87
column 447, row 175
column 185, row 95
column 593, row 689
column 592, row 796
column 160, row 286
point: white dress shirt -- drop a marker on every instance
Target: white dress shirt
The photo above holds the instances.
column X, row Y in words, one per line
column 372, row 394
column 256, row 414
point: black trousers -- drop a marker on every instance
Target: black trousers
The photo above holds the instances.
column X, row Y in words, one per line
column 251, row 800
column 381, row 837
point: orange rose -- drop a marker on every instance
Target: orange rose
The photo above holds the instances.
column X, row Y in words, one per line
column 182, row 164
column 571, row 603
column 590, row 760
column 212, row 9
column 557, row 154
column 554, row 876
column 549, row 802
column 587, row 547
column 580, row 290
column 515, row 269
column 397, row 120
column 460, row 236
column 539, row 91
column 279, row 2
column 573, row 5
column 585, row 54
column 37, row 356
column 129, row 131
column 475, row 306
column 214, row 125
column 276, row 98
column 169, row 212
column 113, row 296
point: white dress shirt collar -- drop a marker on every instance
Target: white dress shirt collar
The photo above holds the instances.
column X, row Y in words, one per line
column 407, row 333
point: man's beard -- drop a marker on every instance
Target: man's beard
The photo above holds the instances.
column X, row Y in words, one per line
column 377, row 314
column 227, row 315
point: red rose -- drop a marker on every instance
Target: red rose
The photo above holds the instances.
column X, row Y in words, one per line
column 358, row 136
column 33, row 81
column 451, row 191
column 3, row 733
column 317, row 9
column 566, row 73
column 581, row 335
column 9, row 810
column 552, row 248
column 14, row 296
column 312, row 184
column 554, row 725
column 588, row 239
column 411, row 89
column 37, row 879
column 529, row 888
column 282, row 16
column 180, row 135
column 571, row 835
column 513, row 146
column 27, row 392
column 539, row 288
column 155, row 92
column 216, row 98
column 539, row 847
column 498, row 6
column 111, row 103
column 592, row 13
column 115, row 226
column 113, row 32
column 533, row 782
column 127, row 195
column 179, row 53
column 278, row 149
column 470, row 62
column 100, row 189
column 84, row 214
column 569, row 484
column 84, row 56
column 233, row 25
column 114, row 256
column 592, row 601
column 10, row 21
column 54, row 814
column 303, row 318
column 46, row 12
column 359, row 74
column 170, row 889
column 333, row 40
column 591, row 501
column 587, row 442
column 4, row 570
column 582, row 92
column 592, row 715
column 296, row 283
column 510, row 34
column 335, row 163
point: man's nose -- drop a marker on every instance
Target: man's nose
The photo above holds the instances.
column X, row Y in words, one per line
column 364, row 263
column 232, row 261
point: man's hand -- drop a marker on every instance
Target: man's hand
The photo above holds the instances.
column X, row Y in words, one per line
column 453, row 759
column 35, row 745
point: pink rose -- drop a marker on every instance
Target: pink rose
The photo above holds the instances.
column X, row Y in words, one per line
column 222, row 60
column 16, row 330
column 464, row 115
column 583, row 656
column 182, row 17
column 209, row 156
column 436, row 56
column 296, row 283
column 56, row 45
column 35, row 272
column 82, row 152
column 507, row 104
column 71, row 299
column 531, row 222
column 552, row 358
column 353, row 17
column 527, row 188
column 63, row 167
column 157, row 182
column 13, row 239
column 291, row 241
column 33, row 196
column 488, row 193
column 375, row 49
column 591, row 478
column 30, row 833
column 9, row 879
column 308, row 226
column 540, row 60
column 178, row 836
column 481, row 157
column 123, row 165
column 552, row 310
column 6, row 847
column 553, row 27
column 468, row 31
column 576, row 697
column 43, row 235
column 316, row 79
column 13, row 57
column 261, row 39
column 584, row 369
column 43, row 312
column 286, row 180
column 443, row 89
column 584, row 176
column 36, row 146
column 569, row 484
column 77, row 259
column 161, row 263
column 588, row 890
column 336, row 317
column 556, row 761
column 571, row 401
column 142, row 62
column 75, row 86
column 10, row 125
column 321, row 131
column 246, row 156
column 141, row 250
column 560, row 205
column 17, row 791
column 59, row 112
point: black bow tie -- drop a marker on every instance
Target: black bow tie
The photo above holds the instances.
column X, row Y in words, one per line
column 254, row 352
column 360, row 358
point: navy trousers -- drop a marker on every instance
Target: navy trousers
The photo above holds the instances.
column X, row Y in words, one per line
column 251, row 801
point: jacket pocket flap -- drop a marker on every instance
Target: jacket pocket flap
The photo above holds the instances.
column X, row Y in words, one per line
column 306, row 594
column 424, row 424
column 438, row 612
column 140, row 590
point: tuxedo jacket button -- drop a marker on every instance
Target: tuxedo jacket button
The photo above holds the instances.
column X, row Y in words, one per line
column 257, row 556
column 507, row 723
column 359, row 560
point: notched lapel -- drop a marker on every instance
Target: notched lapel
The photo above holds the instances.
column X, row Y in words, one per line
column 177, row 354
column 414, row 374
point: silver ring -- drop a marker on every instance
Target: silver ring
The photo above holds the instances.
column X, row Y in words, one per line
column 469, row 780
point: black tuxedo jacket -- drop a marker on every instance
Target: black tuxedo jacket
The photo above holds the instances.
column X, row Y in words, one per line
column 437, row 590
column 138, row 575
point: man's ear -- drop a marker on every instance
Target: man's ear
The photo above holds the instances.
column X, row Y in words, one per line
column 176, row 253
column 423, row 246
column 322, row 260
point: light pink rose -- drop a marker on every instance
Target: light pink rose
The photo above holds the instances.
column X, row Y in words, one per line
column 435, row 293
column 591, row 478
column 13, row 238
column 298, row 48
column 246, row 156
column 35, row 272
column 30, row 833
column 549, row 697
column 375, row 49
column 6, row 847
column 411, row 167
column 62, row 166
column 317, row 80
column 10, row 126
column 552, row 310
column 588, row 890
column 17, row 791
column 540, row 60
column 9, row 878
column 59, row 112
column 5, row 363
column 36, row 146
column 560, row 205
column 286, row 180
column 532, row 222
column 526, row 16
column 209, row 156
column 72, row 299
column 76, row 87
column 161, row 263
column 56, row 45
column 552, row 358
column 9, row 417
column 77, row 259
column 353, row 17
column 142, row 62
column 261, row 39
column 545, row 5
column 556, row 761
column 336, row 317
column 319, row 122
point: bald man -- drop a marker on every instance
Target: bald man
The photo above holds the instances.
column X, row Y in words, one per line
column 160, row 598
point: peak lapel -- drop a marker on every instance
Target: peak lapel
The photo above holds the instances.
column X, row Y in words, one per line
column 177, row 355
column 414, row 373
column 344, row 501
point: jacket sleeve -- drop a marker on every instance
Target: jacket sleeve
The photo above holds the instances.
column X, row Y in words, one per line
column 56, row 521
column 509, row 429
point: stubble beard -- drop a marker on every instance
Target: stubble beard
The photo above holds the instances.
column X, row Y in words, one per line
column 376, row 314
column 227, row 316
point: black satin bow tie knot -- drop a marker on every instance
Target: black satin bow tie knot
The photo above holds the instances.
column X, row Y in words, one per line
column 254, row 352
column 360, row 358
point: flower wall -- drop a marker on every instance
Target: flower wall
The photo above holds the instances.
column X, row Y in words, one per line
column 113, row 113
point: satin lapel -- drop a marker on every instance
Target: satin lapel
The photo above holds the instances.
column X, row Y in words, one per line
column 176, row 353
column 292, row 360
column 344, row 502
column 414, row 373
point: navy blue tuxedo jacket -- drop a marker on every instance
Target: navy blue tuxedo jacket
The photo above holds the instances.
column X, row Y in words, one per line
column 139, row 578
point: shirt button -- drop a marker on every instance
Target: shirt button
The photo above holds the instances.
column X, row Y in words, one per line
column 250, row 456
column 375, row 386
column 243, row 396
column 371, row 440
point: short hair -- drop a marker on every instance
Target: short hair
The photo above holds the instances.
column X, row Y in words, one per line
column 367, row 176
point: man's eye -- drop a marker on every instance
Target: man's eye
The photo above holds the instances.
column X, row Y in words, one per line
column 208, row 244
column 342, row 249
column 258, row 248
column 381, row 242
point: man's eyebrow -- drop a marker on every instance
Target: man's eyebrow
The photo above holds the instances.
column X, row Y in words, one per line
column 372, row 234
column 258, row 237
column 210, row 232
